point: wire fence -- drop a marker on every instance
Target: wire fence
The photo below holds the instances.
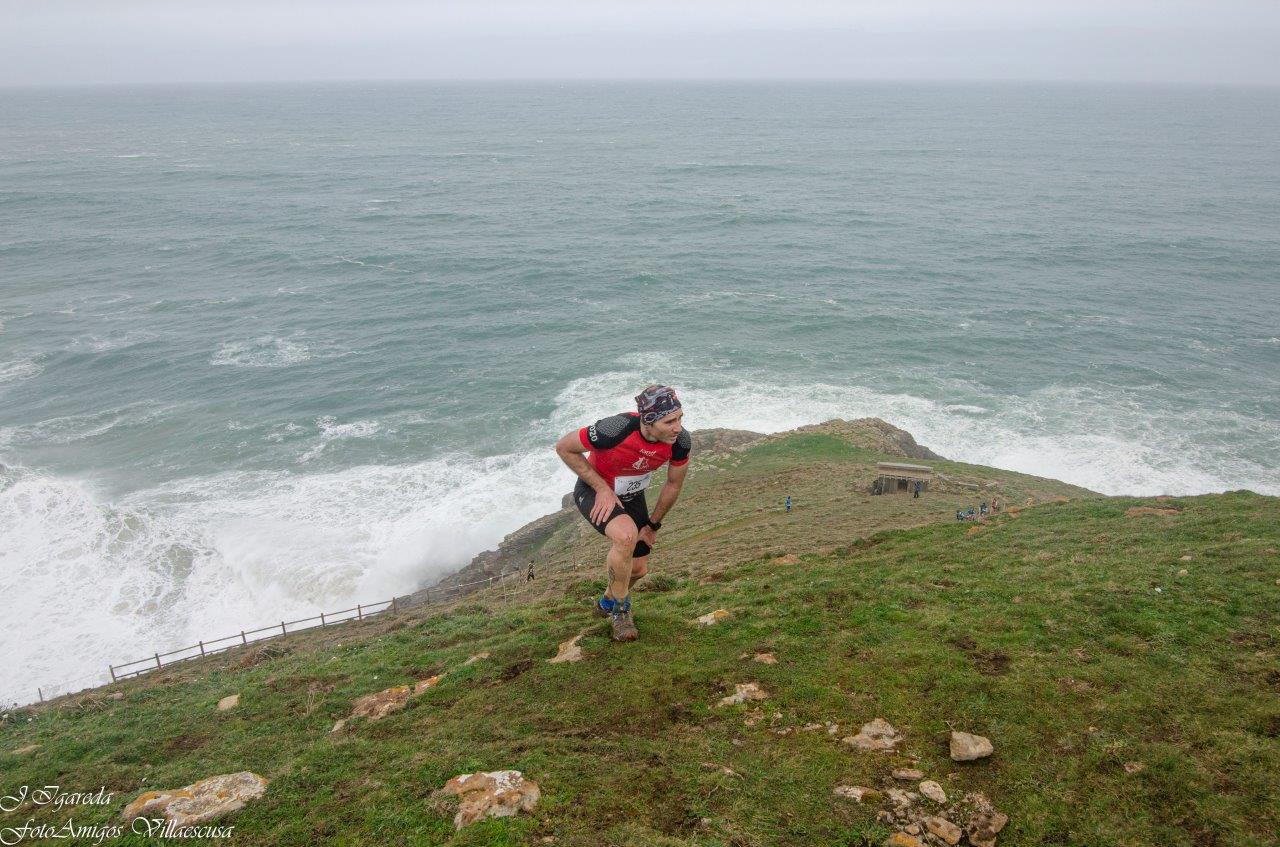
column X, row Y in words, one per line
column 244, row 638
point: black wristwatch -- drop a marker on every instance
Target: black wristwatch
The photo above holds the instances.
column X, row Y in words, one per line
column 655, row 526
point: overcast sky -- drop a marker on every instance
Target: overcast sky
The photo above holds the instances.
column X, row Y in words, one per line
column 120, row 41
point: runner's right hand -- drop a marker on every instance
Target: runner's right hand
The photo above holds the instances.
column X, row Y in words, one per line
column 606, row 502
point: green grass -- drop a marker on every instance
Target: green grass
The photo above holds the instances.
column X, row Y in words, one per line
column 1044, row 631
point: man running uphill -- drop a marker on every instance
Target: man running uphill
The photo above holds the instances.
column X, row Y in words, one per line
column 622, row 452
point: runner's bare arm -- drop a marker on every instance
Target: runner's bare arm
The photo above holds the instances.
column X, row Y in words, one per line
column 573, row 454
column 670, row 491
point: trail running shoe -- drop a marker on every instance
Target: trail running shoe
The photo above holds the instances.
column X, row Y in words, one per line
column 623, row 627
column 605, row 607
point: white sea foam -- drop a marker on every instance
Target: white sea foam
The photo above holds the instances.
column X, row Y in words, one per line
column 206, row 557
column 331, row 430
column 19, row 370
column 266, row 352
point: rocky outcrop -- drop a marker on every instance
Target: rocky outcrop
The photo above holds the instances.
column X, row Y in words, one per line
column 493, row 794
column 200, row 802
column 873, row 434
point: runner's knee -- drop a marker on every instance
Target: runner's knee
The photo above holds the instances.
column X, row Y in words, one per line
column 623, row 533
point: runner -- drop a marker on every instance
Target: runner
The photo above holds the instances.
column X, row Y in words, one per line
column 622, row 452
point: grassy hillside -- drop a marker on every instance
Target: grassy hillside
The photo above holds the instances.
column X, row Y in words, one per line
column 1064, row 633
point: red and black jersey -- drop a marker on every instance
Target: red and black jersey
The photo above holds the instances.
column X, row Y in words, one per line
column 624, row 458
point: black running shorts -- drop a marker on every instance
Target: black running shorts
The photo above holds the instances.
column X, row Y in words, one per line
column 585, row 496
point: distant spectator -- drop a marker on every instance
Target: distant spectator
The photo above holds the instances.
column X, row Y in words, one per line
column 982, row 508
column 969, row 514
column 995, row 504
column 959, row 515
column 915, row 494
column 788, row 504
column 529, row 576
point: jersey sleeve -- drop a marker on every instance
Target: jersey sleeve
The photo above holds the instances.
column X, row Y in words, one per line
column 680, row 450
column 606, row 432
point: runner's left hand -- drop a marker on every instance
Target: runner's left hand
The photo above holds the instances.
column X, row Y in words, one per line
column 649, row 535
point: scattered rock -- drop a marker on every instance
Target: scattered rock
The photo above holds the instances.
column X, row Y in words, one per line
column 493, row 794
column 879, row 734
column 423, row 684
column 200, row 802
column 902, row 839
column 907, row 774
column 476, row 658
column 119, row 695
column 1017, row 599
column 228, row 702
column 1139, row 511
column 984, row 828
column 913, row 829
column 1183, row 572
column 900, row 798
column 1134, row 767
column 764, row 659
column 966, row 747
column 833, row 728
column 1186, row 558
column 382, row 703
column 713, row 617
column 339, row 726
column 944, row 829
column 789, row 559
column 570, row 651
column 858, row 793
column 22, row 751
column 744, row 691
column 727, row 771
column 934, row 792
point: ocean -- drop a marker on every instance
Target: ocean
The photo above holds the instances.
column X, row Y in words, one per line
column 272, row 350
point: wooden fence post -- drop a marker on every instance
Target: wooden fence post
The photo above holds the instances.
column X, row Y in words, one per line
column 393, row 606
column 322, row 619
column 112, row 670
column 243, row 640
column 158, row 665
column 201, row 648
column 283, row 631
column 359, row 612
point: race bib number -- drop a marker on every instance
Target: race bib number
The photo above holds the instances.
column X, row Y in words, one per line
column 625, row 486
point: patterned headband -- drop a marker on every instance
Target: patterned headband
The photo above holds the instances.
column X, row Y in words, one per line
column 656, row 402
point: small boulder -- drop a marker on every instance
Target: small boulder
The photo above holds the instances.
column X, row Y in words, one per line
column 493, row 794
column 228, row 702
column 119, row 695
column 1183, row 572
column 476, row 658
column 22, row 751
column 207, row 800
column 944, row 829
column 713, row 617
column 570, row 651
column 744, row 691
column 934, row 792
column 858, row 793
column 1186, row 558
column 908, row 774
column 966, row 747
column 1134, row 767
column 764, row 658
column 902, row 839
column 879, row 734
